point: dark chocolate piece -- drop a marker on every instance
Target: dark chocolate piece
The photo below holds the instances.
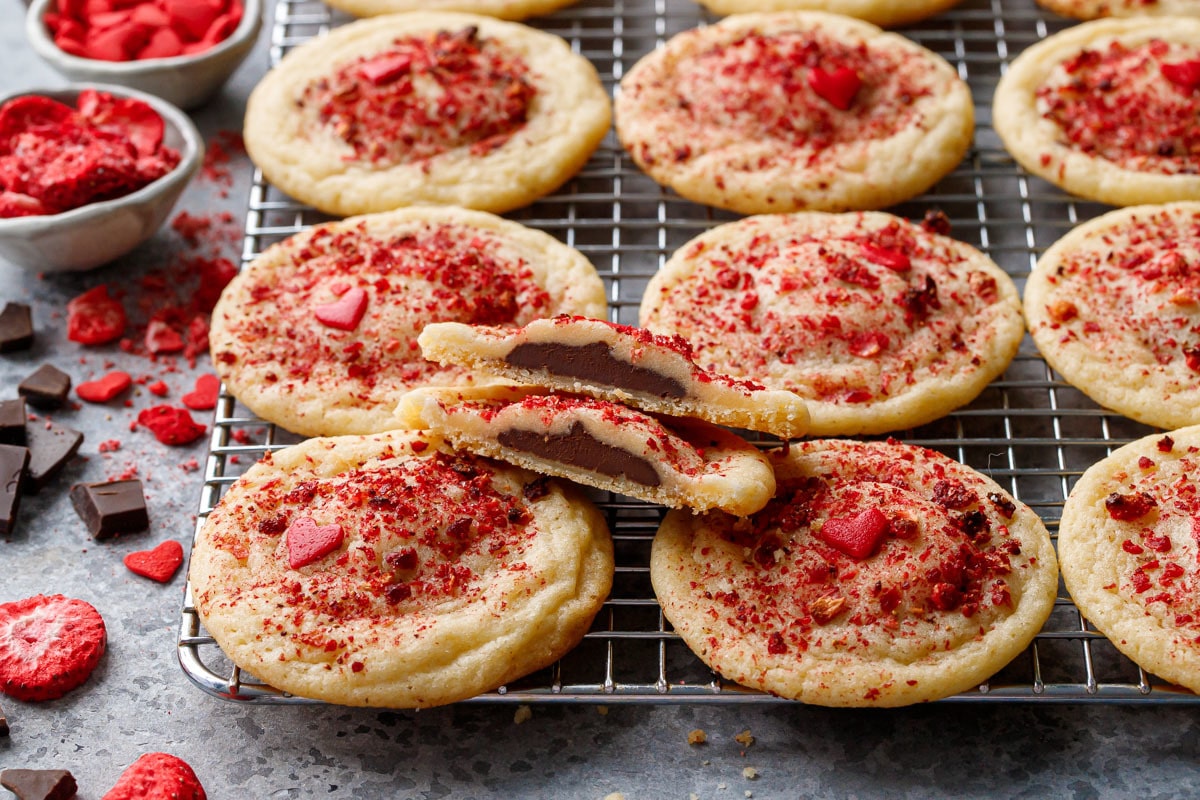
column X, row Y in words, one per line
column 50, row 448
column 111, row 508
column 593, row 362
column 3, row 723
column 578, row 448
column 39, row 784
column 47, row 387
column 12, row 421
column 16, row 328
column 13, row 460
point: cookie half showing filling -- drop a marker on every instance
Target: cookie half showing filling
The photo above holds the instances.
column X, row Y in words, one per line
column 609, row 361
column 390, row 570
column 880, row 574
column 678, row 462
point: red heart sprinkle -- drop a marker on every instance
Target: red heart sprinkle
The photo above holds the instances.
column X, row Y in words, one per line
column 346, row 312
column 1185, row 74
column 159, row 564
column 386, row 69
column 204, row 396
column 892, row 259
column 858, row 536
column 837, row 88
column 308, row 542
column 106, row 388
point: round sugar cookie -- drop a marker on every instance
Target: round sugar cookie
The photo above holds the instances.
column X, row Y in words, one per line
column 319, row 333
column 881, row 574
column 884, row 13
column 1094, row 9
column 501, row 9
column 792, row 111
column 876, row 322
column 1114, row 307
column 1108, row 110
column 1129, row 542
column 426, row 107
column 390, row 570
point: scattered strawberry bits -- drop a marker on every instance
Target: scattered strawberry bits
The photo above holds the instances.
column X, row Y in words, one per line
column 171, row 425
column 159, row 564
column 48, row 646
column 141, row 29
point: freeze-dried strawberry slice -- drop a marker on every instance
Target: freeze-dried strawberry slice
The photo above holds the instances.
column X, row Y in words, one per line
column 157, row 776
column 29, row 111
column 95, row 317
column 48, row 646
column 125, row 116
column 171, row 425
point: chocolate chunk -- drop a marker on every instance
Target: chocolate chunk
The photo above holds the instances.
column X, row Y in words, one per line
column 16, row 328
column 578, row 448
column 13, row 460
column 50, row 448
column 47, row 387
column 111, row 508
column 39, row 784
column 593, row 362
column 3, row 723
column 12, row 421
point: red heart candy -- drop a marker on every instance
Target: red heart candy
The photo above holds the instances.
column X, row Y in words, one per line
column 106, row 388
column 837, row 88
column 1185, row 74
column 858, row 536
column 204, row 396
column 344, row 313
column 308, row 542
column 159, row 564
column 385, row 69
column 892, row 259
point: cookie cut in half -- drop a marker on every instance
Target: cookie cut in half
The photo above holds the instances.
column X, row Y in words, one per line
column 877, row 323
column 1094, row 9
column 615, row 362
column 501, row 9
column 677, row 462
column 1107, row 110
column 390, row 570
column 1114, row 307
column 1129, row 543
column 791, row 111
column 319, row 333
column 880, row 574
column 427, row 107
column 884, row 13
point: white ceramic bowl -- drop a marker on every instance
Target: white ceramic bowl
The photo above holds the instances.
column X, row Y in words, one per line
column 184, row 81
column 97, row 233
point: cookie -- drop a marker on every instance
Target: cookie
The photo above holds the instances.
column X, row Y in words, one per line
column 878, row 323
column 1094, row 9
column 880, row 574
column 1129, row 542
column 678, row 462
column 1107, row 110
column 390, row 570
column 793, row 111
column 618, row 362
column 318, row 334
column 501, row 9
column 1134, row 346
column 885, row 13
column 426, row 107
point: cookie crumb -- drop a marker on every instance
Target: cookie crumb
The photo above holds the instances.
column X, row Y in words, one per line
column 744, row 738
column 749, row 773
column 749, row 793
column 720, row 786
column 697, row 736
column 693, row 796
column 524, row 714
column 614, row 795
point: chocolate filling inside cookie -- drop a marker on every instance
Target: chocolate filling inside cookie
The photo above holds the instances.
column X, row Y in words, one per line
column 594, row 362
column 578, row 448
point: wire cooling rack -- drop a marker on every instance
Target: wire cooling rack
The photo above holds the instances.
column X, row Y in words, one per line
column 1029, row 431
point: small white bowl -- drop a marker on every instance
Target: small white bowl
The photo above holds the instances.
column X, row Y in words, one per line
column 185, row 81
column 97, row 233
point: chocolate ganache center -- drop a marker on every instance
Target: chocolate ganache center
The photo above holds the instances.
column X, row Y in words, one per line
column 593, row 362
column 578, row 448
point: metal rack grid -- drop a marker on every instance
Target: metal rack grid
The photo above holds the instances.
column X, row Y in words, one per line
column 1029, row 431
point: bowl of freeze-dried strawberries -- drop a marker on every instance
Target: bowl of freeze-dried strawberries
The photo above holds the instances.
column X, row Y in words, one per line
column 180, row 50
column 88, row 173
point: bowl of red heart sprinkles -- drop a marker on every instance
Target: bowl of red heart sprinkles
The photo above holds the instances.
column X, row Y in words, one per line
column 180, row 50
column 88, row 173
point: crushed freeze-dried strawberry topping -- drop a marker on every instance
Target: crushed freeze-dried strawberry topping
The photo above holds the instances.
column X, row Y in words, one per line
column 1117, row 104
column 926, row 584
column 425, row 96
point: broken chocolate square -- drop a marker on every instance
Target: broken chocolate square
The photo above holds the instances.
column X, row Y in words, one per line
column 50, row 448
column 39, row 784
column 16, row 328
column 3, row 723
column 108, row 509
column 12, row 421
column 47, row 387
column 13, row 460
